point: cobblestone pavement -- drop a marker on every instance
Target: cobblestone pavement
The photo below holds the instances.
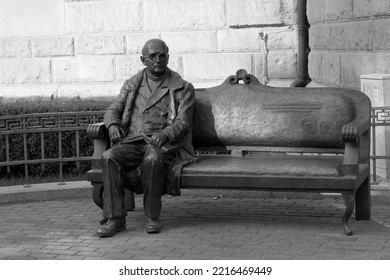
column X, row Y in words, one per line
column 196, row 228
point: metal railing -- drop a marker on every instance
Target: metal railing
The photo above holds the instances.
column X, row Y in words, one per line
column 380, row 117
column 78, row 121
column 43, row 123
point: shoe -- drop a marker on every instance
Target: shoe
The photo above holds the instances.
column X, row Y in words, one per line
column 112, row 227
column 153, row 226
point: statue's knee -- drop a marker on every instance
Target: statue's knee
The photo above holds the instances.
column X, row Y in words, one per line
column 153, row 156
column 106, row 155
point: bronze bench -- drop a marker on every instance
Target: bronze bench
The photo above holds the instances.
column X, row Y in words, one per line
column 255, row 137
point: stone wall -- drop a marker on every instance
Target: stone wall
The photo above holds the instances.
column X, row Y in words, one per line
column 348, row 38
column 88, row 48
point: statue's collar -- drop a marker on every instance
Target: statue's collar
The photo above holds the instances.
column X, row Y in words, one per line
column 175, row 80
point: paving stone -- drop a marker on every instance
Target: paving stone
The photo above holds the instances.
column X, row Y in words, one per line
column 63, row 252
column 59, row 247
column 191, row 232
column 91, row 254
column 68, row 257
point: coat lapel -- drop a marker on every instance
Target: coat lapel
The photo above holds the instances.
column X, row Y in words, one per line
column 172, row 82
column 158, row 93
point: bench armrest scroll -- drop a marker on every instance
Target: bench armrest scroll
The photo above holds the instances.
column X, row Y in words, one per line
column 352, row 131
column 97, row 131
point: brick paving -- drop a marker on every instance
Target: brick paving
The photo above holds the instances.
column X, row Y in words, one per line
column 196, row 228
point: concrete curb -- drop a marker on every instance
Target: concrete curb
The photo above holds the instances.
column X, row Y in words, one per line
column 43, row 192
column 52, row 191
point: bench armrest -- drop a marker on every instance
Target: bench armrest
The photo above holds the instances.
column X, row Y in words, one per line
column 356, row 136
column 352, row 131
column 97, row 131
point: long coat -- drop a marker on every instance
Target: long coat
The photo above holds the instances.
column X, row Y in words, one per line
column 179, row 120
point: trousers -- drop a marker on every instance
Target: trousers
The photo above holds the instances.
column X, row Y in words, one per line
column 153, row 164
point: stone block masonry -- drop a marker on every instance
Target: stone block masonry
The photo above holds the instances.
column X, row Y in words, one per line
column 83, row 69
column 100, row 45
column 103, row 16
column 215, row 66
column 382, row 34
column 348, row 38
column 52, row 46
column 184, row 14
column 25, row 71
column 95, row 45
column 19, row 18
column 191, row 42
column 15, row 48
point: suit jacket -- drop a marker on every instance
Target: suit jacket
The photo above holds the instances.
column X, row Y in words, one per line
column 181, row 106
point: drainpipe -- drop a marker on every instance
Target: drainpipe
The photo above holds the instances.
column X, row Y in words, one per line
column 303, row 78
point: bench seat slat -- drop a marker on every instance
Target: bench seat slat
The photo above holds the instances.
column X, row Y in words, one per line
column 300, row 166
column 269, row 183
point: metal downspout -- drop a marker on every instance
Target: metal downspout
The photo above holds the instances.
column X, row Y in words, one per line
column 303, row 78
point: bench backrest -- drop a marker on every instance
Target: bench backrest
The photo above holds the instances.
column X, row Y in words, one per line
column 251, row 114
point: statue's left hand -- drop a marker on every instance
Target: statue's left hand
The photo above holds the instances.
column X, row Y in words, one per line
column 159, row 140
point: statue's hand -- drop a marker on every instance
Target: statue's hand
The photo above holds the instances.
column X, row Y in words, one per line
column 159, row 140
column 116, row 133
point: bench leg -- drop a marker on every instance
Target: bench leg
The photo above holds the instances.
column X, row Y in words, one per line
column 349, row 206
column 363, row 201
column 129, row 200
column 97, row 194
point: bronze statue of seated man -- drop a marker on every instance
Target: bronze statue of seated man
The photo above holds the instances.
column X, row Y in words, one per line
column 154, row 107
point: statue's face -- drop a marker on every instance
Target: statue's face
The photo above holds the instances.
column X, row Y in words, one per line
column 155, row 58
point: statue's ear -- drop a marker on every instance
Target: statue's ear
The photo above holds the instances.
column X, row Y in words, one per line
column 142, row 60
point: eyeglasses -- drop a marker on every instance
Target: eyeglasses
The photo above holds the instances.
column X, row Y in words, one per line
column 154, row 56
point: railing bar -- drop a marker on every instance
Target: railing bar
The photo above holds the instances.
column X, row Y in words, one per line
column 380, row 124
column 376, row 108
column 53, row 129
column 380, row 157
column 374, row 152
column 26, row 184
column 57, row 114
column 78, row 149
column 46, row 160
column 7, row 153
column 60, row 157
column 42, row 150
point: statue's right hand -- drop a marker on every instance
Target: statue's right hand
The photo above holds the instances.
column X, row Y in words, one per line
column 116, row 133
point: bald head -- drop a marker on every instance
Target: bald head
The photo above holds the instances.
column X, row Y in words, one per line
column 154, row 42
column 155, row 57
